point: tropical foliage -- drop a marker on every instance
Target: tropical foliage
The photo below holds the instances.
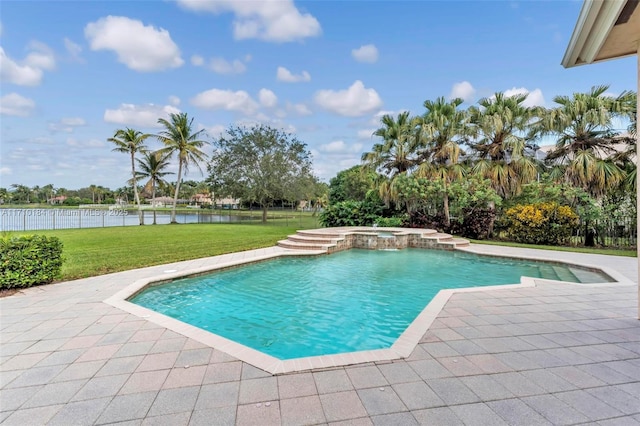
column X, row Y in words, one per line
column 423, row 162
column 152, row 167
column 132, row 142
column 180, row 139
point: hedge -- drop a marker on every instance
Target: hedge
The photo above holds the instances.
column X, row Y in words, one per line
column 540, row 223
column 29, row 260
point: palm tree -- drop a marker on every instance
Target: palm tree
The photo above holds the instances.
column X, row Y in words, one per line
column 49, row 192
column 93, row 189
column 444, row 128
column 179, row 138
column 132, row 142
column 499, row 127
column 152, row 166
column 397, row 153
column 20, row 194
column 584, row 154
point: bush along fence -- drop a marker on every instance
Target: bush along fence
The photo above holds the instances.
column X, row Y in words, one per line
column 29, row 260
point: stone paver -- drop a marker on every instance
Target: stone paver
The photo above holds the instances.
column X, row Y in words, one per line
column 549, row 354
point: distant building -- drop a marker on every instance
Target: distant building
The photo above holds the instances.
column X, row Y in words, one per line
column 227, row 203
column 200, row 199
column 58, row 200
column 161, row 201
column 624, row 138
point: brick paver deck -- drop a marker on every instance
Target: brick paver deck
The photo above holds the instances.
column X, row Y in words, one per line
column 550, row 354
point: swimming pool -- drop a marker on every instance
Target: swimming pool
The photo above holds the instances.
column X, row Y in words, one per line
column 354, row 300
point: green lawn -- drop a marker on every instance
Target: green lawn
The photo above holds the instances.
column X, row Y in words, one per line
column 98, row 251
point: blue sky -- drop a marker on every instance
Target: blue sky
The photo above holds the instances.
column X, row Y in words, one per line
column 74, row 72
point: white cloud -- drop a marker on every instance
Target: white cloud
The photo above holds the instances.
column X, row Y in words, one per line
column 73, row 49
column 340, row 146
column 330, row 158
column 352, row 102
column 222, row 66
column 40, row 140
column 73, row 121
column 367, row 53
column 375, row 120
column 287, row 76
column 139, row 115
column 16, row 105
column 214, row 131
column 174, row 100
column 534, row 98
column 463, row 90
column 41, row 56
column 332, row 146
column 239, row 101
column 298, row 109
column 138, row 46
column 67, row 124
column 267, row 98
column 277, row 21
column 6, row 171
column 91, row 143
column 30, row 70
column 197, row 60
column 365, row 133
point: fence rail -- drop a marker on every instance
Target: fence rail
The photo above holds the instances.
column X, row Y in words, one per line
column 51, row 219
column 608, row 233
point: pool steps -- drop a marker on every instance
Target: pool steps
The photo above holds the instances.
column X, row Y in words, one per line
column 337, row 239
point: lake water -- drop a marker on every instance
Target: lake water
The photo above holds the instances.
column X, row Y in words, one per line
column 42, row 219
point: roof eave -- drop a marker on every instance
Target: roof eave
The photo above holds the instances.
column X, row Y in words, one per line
column 596, row 19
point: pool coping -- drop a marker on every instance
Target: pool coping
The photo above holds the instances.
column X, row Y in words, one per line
column 401, row 348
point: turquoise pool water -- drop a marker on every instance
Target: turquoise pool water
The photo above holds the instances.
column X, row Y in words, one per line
column 349, row 301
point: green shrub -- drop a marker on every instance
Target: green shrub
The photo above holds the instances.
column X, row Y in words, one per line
column 473, row 223
column 476, row 223
column 540, row 223
column 29, row 260
column 390, row 222
column 351, row 213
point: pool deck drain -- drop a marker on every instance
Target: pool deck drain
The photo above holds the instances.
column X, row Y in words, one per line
column 553, row 353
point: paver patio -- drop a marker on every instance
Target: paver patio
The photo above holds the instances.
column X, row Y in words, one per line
column 550, row 354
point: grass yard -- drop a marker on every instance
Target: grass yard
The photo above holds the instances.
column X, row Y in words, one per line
column 97, row 251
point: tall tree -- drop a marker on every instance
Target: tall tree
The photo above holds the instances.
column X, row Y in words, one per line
column 180, row 139
column 259, row 165
column 351, row 184
column 131, row 142
column 93, row 189
column 499, row 127
column 49, row 192
column 584, row 154
column 444, row 129
column 153, row 166
column 396, row 154
column 20, row 193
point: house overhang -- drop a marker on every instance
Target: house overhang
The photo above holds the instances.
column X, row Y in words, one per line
column 606, row 29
